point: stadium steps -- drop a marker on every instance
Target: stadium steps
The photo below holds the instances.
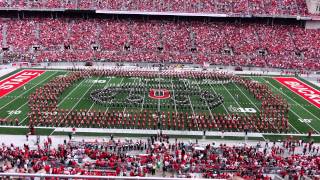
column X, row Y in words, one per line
column 4, row 35
column 279, row 6
column 162, row 4
column 161, row 35
column 70, row 24
column 192, row 39
column 98, row 34
column 37, row 31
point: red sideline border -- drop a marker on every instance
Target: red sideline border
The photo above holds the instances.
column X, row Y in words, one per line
column 294, row 90
column 17, row 86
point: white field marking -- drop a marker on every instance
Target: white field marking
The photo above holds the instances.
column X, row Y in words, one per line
column 65, row 98
column 144, row 97
column 28, row 89
column 292, row 100
column 58, row 105
column 124, row 109
column 27, row 100
column 112, row 99
column 224, row 107
column 184, row 82
column 236, row 101
column 206, row 103
column 75, row 105
column 107, row 83
column 189, row 100
column 299, row 96
column 258, row 108
column 159, row 80
column 174, row 97
column 232, row 97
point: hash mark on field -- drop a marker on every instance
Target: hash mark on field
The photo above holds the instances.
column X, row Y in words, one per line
column 174, row 97
column 66, row 97
column 103, row 88
column 124, row 109
column 74, row 106
column 189, row 99
column 259, row 108
column 291, row 99
column 236, row 102
column 112, row 99
column 144, row 96
column 295, row 98
column 28, row 101
column 206, row 104
column 224, row 107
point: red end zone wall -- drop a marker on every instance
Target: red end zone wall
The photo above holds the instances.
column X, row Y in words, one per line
column 17, row 80
column 302, row 89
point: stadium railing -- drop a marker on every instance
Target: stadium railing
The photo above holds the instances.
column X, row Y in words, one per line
column 43, row 176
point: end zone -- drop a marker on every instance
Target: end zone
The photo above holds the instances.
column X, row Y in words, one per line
column 302, row 89
column 17, row 80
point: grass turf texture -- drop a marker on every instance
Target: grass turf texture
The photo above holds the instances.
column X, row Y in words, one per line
column 77, row 97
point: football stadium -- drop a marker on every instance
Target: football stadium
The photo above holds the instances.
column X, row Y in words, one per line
column 158, row 89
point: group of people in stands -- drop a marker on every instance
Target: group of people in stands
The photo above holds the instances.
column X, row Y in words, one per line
column 273, row 116
column 232, row 7
column 159, row 156
column 218, row 43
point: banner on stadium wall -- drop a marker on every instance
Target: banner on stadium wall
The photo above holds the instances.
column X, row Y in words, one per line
column 24, row 64
column 309, row 93
column 17, row 80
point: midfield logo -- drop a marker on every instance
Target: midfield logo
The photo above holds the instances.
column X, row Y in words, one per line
column 159, row 94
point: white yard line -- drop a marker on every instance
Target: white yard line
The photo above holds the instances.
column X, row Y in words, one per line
column 112, row 99
column 232, row 97
column 65, row 98
column 159, row 86
column 259, row 108
column 27, row 103
column 57, row 105
column 189, row 100
column 103, row 88
column 75, row 104
column 124, row 109
column 206, row 102
column 292, row 100
column 236, row 101
column 191, row 106
column 174, row 97
column 224, row 107
column 144, row 96
column 28, row 89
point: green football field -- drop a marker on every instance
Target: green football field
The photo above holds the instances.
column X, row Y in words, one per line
column 303, row 116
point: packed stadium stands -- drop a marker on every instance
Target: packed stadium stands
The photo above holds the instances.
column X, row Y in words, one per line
column 158, row 156
column 231, row 7
column 219, row 43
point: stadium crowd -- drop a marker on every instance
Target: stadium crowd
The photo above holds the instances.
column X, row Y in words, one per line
column 45, row 112
column 159, row 156
column 231, row 7
column 218, row 43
